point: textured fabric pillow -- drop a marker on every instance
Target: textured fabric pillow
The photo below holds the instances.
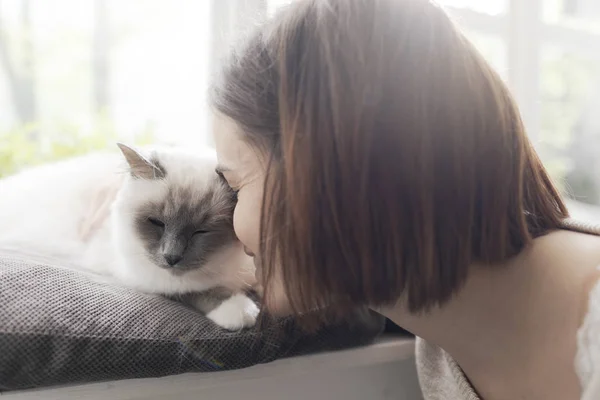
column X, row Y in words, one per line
column 58, row 326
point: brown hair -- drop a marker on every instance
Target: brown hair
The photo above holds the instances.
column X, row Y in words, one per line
column 397, row 155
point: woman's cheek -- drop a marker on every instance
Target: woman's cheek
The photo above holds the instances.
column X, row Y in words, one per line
column 246, row 223
column 246, row 217
column 244, row 228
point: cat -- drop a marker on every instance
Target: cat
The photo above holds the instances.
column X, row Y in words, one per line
column 157, row 220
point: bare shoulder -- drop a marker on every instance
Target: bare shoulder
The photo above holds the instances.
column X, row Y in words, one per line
column 566, row 247
column 573, row 256
column 570, row 257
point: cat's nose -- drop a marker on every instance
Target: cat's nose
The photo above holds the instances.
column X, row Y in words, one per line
column 173, row 259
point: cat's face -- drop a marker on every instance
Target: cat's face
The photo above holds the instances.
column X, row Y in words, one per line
column 180, row 231
column 179, row 209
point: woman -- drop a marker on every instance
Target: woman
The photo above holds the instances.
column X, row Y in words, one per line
column 379, row 160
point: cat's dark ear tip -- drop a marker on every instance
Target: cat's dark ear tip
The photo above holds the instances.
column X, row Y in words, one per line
column 123, row 147
column 128, row 151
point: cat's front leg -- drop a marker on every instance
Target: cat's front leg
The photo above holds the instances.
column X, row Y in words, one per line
column 230, row 311
column 235, row 313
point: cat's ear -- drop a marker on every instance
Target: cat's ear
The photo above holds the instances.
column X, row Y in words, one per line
column 139, row 166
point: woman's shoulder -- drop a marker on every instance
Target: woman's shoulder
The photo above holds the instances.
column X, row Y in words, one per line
column 440, row 376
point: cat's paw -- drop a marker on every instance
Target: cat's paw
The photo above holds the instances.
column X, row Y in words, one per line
column 235, row 313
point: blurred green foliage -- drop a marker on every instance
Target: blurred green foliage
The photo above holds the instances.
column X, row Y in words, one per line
column 31, row 144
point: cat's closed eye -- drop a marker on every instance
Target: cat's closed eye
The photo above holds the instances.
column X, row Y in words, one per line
column 200, row 232
column 156, row 222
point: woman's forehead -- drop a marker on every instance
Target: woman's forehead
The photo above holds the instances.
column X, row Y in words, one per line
column 230, row 147
column 233, row 151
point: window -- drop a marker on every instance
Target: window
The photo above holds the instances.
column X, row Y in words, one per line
column 553, row 68
column 577, row 14
column 77, row 74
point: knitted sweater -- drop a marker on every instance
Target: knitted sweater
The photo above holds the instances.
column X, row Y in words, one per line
column 441, row 378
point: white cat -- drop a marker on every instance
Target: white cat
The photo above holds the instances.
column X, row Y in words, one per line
column 161, row 222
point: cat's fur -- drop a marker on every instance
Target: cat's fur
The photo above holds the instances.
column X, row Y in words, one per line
column 161, row 222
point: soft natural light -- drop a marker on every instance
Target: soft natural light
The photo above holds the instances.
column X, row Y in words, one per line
column 108, row 69
column 485, row 6
column 156, row 65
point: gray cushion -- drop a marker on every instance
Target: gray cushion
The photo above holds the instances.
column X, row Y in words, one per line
column 58, row 326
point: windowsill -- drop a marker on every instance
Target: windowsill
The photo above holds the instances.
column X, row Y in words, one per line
column 388, row 350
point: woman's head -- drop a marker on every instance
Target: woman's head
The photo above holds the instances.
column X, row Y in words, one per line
column 383, row 155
